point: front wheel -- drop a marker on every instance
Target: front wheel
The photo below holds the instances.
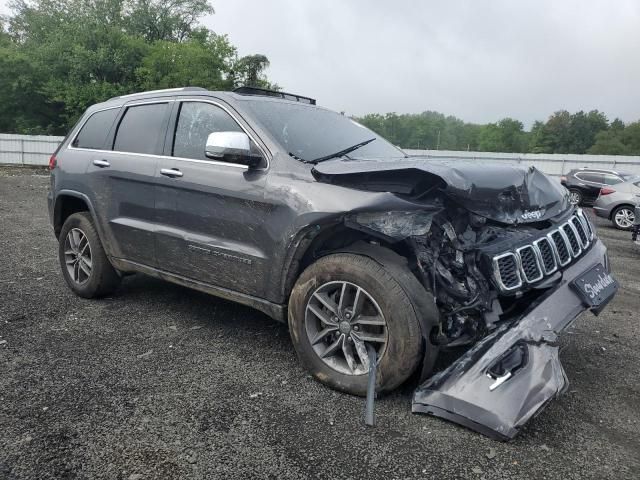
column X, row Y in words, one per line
column 339, row 306
column 623, row 217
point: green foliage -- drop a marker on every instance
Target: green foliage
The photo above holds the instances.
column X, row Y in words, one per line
column 249, row 71
column 59, row 57
column 505, row 136
column 618, row 140
column 568, row 133
column 563, row 132
column 426, row 130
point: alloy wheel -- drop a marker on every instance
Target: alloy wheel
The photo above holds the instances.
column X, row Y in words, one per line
column 77, row 256
column 341, row 319
column 574, row 198
column 624, row 218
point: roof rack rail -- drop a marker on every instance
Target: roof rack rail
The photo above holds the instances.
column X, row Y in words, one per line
column 164, row 90
column 274, row 93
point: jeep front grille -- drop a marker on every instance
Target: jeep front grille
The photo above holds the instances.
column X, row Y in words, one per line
column 507, row 265
column 531, row 263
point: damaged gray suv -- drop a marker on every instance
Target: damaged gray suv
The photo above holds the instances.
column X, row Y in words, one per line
column 266, row 199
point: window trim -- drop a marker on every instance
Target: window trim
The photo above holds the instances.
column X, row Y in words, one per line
column 620, row 180
column 591, row 181
column 81, row 126
column 265, row 152
column 126, row 108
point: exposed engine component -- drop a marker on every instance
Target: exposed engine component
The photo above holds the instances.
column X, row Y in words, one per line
column 480, row 271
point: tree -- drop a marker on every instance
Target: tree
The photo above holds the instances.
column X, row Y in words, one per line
column 170, row 64
column 631, row 138
column 608, row 142
column 250, row 70
column 505, row 136
column 172, row 21
column 59, row 57
column 583, row 129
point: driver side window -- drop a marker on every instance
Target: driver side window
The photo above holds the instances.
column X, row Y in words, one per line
column 196, row 120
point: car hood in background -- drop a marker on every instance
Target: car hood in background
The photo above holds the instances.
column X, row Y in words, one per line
column 504, row 193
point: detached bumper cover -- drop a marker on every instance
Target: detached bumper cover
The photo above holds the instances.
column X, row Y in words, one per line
column 510, row 375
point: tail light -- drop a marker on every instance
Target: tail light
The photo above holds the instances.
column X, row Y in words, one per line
column 563, row 179
column 606, row 191
column 53, row 161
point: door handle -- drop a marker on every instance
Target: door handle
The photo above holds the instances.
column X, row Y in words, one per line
column 170, row 172
column 101, row 163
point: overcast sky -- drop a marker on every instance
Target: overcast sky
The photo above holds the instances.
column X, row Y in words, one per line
column 480, row 60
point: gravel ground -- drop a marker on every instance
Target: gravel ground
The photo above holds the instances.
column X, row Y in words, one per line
column 158, row 381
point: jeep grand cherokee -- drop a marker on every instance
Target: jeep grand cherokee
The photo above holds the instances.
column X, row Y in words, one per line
column 266, row 199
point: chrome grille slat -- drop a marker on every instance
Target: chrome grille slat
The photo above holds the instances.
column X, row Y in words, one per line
column 585, row 221
column 560, row 247
column 580, row 230
column 547, row 257
column 572, row 239
column 507, row 270
column 530, row 263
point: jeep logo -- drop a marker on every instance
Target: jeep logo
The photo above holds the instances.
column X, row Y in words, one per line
column 532, row 214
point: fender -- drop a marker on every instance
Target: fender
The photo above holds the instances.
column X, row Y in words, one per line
column 423, row 302
column 85, row 199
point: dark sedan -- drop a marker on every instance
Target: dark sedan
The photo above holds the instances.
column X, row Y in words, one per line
column 584, row 184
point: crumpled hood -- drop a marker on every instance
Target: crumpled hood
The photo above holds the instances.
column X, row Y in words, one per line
column 504, row 193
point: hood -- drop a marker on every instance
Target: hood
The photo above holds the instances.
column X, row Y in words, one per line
column 504, row 193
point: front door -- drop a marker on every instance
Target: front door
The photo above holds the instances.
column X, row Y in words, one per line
column 210, row 215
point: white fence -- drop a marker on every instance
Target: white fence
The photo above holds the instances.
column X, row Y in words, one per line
column 27, row 149
column 36, row 150
column 552, row 164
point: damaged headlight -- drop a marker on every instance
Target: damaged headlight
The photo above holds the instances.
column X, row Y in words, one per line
column 397, row 224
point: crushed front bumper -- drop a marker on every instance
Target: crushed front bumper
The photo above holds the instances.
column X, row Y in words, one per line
column 511, row 374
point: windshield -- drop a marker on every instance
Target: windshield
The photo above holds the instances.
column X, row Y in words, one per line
column 311, row 133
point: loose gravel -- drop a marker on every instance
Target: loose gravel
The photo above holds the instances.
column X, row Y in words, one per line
column 158, row 381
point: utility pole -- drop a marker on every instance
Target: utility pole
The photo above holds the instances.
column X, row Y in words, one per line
column 438, row 143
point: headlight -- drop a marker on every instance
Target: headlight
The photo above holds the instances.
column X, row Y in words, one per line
column 396, row 224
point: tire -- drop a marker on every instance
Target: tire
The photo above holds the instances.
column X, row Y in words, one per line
column 403, row 349
column 102, row 278
column 575, row 196
column 622, row 217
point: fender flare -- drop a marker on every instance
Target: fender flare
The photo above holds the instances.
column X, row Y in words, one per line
column 85, row 199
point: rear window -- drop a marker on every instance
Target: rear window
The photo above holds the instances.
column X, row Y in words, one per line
column 141, row 128
column 591, row 177
column 611, row 179
column 95, row 130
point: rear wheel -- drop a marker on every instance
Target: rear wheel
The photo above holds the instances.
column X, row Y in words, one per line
column 341, row 304
column 623, row 217
column 85, row 266
column 575, row 196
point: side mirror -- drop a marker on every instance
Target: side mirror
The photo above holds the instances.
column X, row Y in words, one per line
column 232, row 147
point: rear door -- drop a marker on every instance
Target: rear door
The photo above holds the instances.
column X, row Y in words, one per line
column 122, row 179
column 210, row 214
column 591, row 183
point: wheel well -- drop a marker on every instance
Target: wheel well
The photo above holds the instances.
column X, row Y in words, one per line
column 613, row 210
column 67, row 205
column 330, row 240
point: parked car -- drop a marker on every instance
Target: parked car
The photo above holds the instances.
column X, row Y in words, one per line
column 617, row 203
column 584, row 184
column 635, row 236
column 266, row 199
